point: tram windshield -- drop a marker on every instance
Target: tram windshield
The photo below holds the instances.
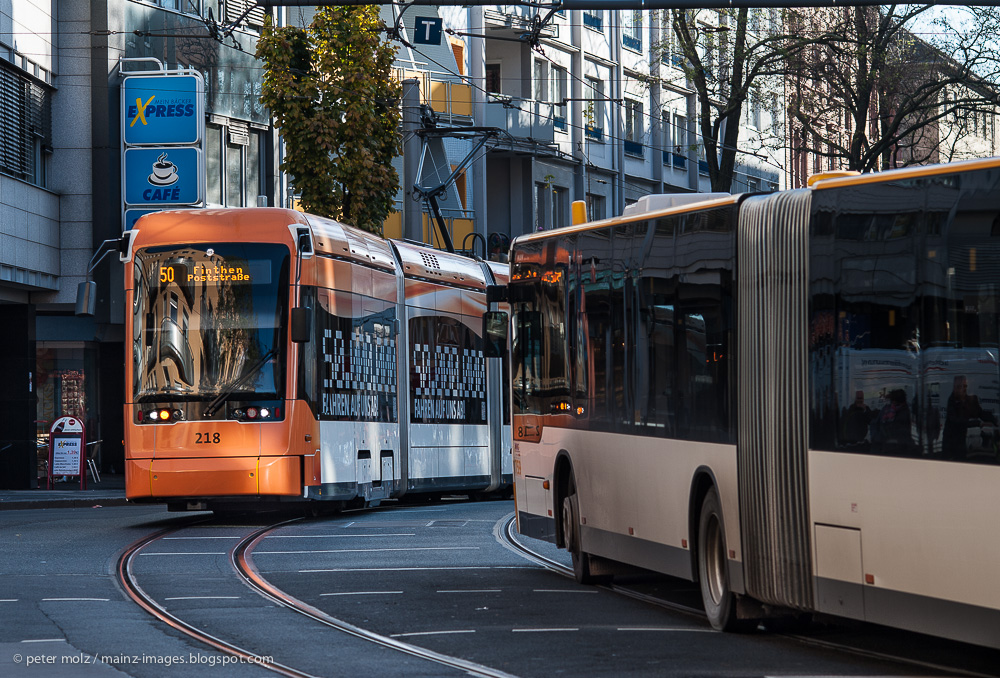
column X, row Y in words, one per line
column 208, row 319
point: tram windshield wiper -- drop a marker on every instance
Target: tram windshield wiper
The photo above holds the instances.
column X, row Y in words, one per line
column 232, row 387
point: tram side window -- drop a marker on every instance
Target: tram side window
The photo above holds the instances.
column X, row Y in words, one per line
column 308, row 360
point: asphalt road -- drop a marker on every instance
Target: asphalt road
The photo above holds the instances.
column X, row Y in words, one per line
column 434, row 576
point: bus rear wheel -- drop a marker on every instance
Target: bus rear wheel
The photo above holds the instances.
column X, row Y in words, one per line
column 719, row 600
column 583, row 570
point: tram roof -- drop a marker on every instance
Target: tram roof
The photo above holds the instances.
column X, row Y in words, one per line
column 439, row 266
column 232, row 224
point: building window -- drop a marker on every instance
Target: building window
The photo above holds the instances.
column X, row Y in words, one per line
column 234, row 169
column 633, row 120
column 558, row 90
column 632, row 30
column 252, row 16
column 494, row 84
column 25, row 124
column 560, row 207
column 213, row 164
column 595, row 207
column 594, row 19
column 680, row 136
column 541, row 206
column 595, row 109
column 633, row 127
column 541, row 80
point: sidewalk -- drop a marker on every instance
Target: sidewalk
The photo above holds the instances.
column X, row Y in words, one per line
column 109, row 492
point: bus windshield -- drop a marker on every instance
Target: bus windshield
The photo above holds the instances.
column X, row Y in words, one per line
column 206, row 316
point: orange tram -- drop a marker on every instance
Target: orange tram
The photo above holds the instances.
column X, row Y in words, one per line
column 282, row 357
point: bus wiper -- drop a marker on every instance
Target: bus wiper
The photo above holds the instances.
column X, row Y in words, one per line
column 231, row 388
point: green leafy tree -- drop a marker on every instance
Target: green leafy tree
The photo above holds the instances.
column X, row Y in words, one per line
column 331, row 93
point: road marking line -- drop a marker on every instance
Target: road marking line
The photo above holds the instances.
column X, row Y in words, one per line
column 183, row 538
column 70, row 600
column 472, row 591
column 204, row 598
column 415, row 548
column 539, row 630
column 8, row 600
column 429, row 633
column 337, row 536
column 671, row 629
column 45, row 640
column 416, row 569
column 564, row 591
column 360, row 593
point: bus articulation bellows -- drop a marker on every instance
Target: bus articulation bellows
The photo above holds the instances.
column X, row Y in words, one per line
column 277, row 356
column 790, row 398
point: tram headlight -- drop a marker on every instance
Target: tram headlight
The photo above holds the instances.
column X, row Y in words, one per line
column 154, row 415
column 264, row 413
column 251, row 413
column 164, row 415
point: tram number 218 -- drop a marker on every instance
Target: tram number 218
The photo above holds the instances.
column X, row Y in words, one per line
column 207, row 438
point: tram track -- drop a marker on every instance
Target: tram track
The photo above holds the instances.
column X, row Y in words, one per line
column 241, row 559
column 504, row 532
column 128, row 581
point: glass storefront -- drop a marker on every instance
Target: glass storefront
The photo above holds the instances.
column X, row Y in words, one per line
column 66, row 386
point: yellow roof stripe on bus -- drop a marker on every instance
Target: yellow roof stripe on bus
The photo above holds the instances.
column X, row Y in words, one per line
column 614, row 221
column 906, row 173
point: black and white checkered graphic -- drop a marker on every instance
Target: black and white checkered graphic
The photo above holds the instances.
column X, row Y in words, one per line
column 442, row 372
column 362, row 361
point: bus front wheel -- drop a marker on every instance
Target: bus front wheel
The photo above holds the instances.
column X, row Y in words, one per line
column 719, row 600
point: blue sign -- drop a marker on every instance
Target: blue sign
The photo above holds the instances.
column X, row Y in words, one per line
column 165, row 109
column 427, row 30
column 163, row 176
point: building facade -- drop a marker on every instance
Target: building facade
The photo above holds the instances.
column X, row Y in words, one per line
column 595, row 105
column 61, row 72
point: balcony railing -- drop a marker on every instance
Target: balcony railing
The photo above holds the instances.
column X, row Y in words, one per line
column 524, row 118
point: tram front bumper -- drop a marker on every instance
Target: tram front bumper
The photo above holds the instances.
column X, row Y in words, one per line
column 213, row 477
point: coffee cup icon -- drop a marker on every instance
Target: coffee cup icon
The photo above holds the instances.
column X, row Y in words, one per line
column 164, row 172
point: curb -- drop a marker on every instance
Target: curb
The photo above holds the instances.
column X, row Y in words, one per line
column 91, row 502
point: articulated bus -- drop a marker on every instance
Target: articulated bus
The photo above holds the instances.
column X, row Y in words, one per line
column 277, row 356
column 788, row 398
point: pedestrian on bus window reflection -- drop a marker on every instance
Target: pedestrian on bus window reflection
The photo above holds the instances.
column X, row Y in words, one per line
column 963, row 412
column 891, row 429
column 854, row 421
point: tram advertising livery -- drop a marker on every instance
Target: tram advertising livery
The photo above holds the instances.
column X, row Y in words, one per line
column 792, row 399
column 280, row 357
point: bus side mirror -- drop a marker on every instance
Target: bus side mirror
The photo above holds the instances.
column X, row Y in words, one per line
column 495, row 333
column 301, row 324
